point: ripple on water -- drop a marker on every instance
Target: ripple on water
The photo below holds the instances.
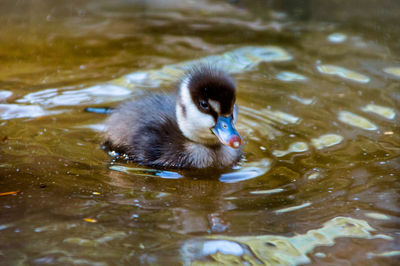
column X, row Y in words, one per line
column 268, row 191
column 39, row 96
column 236, row 61
column 302, row 100
column 383, row 111
column 10, row 111
column 343, row 73
column 247, row 171
column 4, row 95
column 377, row 216
column 326, row 141
column 146, row 172
column 293, row 208
column 337, row 37
column 313, row 176
column 273, row 249
column 294, row 147
column 356, row 121
column 280, row 117
column 290, row 76
column 393, row 253
column 395, row 71
column 223, row 246
column 262, row 119
column 93, row 95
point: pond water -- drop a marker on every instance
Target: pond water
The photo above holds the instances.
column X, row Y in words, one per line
column 319, row 97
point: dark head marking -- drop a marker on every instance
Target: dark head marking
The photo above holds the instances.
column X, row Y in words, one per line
column 209, row 83
column 182, row 106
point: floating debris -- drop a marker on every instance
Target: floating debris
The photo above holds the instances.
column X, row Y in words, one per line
column 90, row 220
column 343, row 73
column 383, row 111
column 395, row 71
column 9, row 193
column 327, row 140
column 294, row 208
column 356, row 121
column 302, row 100
column 294, row 147
column 337, row 37
column 96, row 193
column 290, row 76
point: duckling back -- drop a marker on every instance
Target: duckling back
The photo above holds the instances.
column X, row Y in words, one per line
column 146, row 131
column 193, row 128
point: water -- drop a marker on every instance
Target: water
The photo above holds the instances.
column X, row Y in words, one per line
column 318, row 92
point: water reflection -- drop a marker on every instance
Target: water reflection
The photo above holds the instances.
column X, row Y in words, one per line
column 273, row 249
column 243, row 172
column 12, row 111
column 236, row 61
column 337, row 37
column 356, row 121
column 343, row 73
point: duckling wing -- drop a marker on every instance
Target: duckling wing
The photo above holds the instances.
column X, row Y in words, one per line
column 146, row 130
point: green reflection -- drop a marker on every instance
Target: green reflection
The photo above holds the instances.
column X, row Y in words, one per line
column 279, row 250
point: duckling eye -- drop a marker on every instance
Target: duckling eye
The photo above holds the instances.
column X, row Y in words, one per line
column 204, row 105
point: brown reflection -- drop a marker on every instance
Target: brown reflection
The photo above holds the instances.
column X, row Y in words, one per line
column 196, row 205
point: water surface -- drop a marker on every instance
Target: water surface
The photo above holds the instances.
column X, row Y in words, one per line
column 318, row 95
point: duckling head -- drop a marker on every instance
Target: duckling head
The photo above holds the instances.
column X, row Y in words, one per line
column 206, row 111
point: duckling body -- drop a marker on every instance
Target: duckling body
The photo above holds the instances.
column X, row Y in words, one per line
column 192, row 128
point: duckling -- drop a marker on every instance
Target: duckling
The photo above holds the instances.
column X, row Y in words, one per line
column 191, row 128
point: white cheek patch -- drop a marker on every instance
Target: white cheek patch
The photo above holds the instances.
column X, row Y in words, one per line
column 195, row 125
column 215, row 105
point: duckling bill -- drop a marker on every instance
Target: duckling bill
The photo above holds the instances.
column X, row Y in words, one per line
column 192, row 128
